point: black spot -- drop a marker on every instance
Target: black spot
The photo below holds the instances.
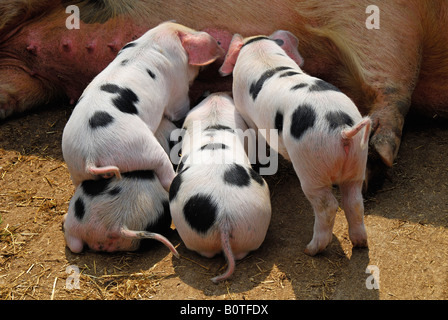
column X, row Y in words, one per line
column 175, row 186
column 163, row 222
column 321, row 85
column 161, row 225
column 214, row 146
column 256, row 87
column 237, row 175
column 279, row 121
column 280, row 42
column 125, row 102
column 302, row 119
column 114, row 191
column 338, row 118
column 111, row 88
column 283, row 68
column 166, row 210
column 255, row 39
column 180, row 166
column 100, row 119
column 299, row 86
column 171, row 144
column 129, row 45
column 254, row 175
column 218, row 127
column 151, row 74
column 124, row 62
column 80, row 209
column 95, row 187
column 140, row 174
column 289, row 74
column 200, row 212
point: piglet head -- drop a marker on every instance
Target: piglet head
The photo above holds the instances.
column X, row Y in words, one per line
column 285, row 39
column 289, row 43
column 202, row 49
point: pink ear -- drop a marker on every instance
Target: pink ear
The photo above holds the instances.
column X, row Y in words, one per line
column 289, row 43
column 202, row 48
column 232, row 55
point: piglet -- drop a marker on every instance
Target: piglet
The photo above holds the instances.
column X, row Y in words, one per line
column 317, row 127
column 217, row 201
column 111, row 129
column 115, row 214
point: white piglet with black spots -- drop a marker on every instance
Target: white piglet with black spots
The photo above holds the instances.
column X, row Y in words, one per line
column 115, row 214
column 111, row 129
column 217, row 201
column 317, row 127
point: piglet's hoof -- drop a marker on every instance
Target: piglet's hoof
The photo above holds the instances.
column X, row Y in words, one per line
column 315, row 247
column 359, row 242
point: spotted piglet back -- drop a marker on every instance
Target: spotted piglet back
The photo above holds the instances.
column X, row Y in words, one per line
column 217, row 201
column 100, row 209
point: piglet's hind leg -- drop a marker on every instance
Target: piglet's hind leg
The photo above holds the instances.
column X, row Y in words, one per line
column 352, row 203
column 158, row 160
column 325, row 206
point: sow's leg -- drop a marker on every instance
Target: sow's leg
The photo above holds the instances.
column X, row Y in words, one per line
column 19, row 90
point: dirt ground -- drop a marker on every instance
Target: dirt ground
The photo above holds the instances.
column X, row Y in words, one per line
column 407, row 224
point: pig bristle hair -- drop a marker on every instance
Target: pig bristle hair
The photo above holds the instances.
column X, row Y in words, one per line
column 103, row 10
column 354, row 73
column 14, row 12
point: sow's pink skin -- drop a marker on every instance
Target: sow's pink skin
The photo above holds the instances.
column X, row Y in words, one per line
column 320, row 130
column 218, row 202
column 111, row 129
column 42, row 61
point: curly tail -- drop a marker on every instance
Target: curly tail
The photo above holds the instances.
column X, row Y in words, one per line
column 353, row 131
column 104, row 172
column 126, row 233
column 225, row 243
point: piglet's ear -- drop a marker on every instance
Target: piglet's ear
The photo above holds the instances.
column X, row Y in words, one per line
column 288, row 42
column 232, row 55
column 202, row 48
